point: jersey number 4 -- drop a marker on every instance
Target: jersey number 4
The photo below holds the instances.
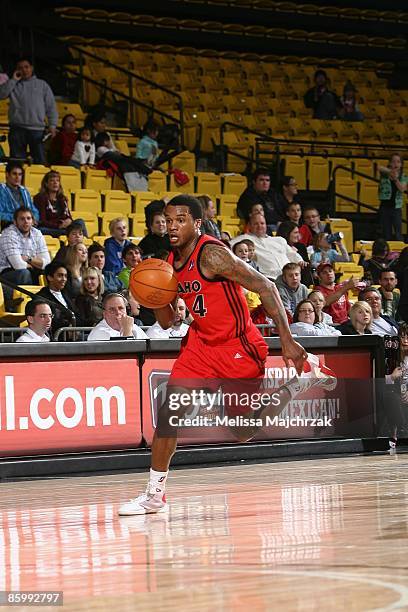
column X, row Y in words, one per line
column 198, row 306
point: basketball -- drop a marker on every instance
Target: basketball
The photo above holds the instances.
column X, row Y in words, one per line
column 153, row 283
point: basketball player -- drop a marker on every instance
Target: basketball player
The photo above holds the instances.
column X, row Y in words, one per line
column 222, row 342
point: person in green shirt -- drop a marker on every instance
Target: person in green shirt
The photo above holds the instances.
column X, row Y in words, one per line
column 131, row 256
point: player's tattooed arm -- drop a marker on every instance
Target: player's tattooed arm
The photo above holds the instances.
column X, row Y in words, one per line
column 218, row 261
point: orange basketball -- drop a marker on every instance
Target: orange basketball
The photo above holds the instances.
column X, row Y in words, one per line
column 153, row 283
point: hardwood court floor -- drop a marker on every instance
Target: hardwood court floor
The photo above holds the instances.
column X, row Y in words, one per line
column 324, row 535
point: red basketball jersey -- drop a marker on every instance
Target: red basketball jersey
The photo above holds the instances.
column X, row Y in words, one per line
column 218, row 306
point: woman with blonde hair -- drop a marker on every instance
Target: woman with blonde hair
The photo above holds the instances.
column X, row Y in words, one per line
column 209, row 225
column 76, row 261
column 361, row 317
column 89, row 300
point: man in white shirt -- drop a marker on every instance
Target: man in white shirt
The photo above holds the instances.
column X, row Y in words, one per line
column 23, row 253
column 116, row 323
column 271, row 253
column 39, row 316
column 177, row 330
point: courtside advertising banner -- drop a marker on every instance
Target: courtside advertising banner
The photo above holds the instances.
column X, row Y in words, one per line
column 211, row 411
column 73, row 405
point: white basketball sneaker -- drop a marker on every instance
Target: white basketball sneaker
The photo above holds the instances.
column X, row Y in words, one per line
column 150, row 502
column 314, row 374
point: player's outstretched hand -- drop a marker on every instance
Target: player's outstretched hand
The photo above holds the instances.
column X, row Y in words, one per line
column 293, row 352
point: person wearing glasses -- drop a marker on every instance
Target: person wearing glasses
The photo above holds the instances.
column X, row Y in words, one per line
column 116, row 323
column 39, row 317
column 305, row 319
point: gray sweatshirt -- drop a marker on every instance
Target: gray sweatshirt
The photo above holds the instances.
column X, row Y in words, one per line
column 291, row 297
column 31, row 101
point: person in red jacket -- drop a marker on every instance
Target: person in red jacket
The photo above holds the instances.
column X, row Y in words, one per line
column 337, row 303
column 63, row 144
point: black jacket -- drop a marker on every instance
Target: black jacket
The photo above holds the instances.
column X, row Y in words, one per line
column 274, row 211
column 61, row 317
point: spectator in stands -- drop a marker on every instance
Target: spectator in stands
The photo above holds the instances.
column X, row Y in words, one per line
column 157, row 240
column 89, row 300
column 53, row 208
column 290, row 232
column 3, row 76
column 133, row 308
column 361, row 317
column 39, row 317
column 349, row 110
column 393, row 185
column 114, row 245
column 400, row 266
column 23, row 253
column 311, row 218
column 260, row 192
column 62, row 146
column 75, row 235
column 31, row 102
column 97, row 122
column 208, row 225
column 147, row 148
column 271, row 253
column 382, row 324
column 84, row 151
column 323, row 320
column 381, row 259
column 305, row 320
column 288, row 193
column 96, row 259
column 128, row 168
column 390, row 297
column 337, row 303
column 76, row 261
column 13, row 195
column 245, row 250
column 294, row 214
column 65, row 313
column 323, row 250
column 177, row 330
column 324, row 103
column 290, row 288
column 116, row 323
column 131, row 256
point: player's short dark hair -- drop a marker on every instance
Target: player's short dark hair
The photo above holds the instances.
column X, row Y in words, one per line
column 51, row 268
column 31, row 306
column 191, row 202
column 22, row 209
column 386, row 271
column 320, row 72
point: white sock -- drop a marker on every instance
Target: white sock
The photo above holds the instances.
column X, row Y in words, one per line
column 157, row 481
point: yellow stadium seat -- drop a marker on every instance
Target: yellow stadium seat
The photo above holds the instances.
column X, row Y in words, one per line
column 345, row 188
column 97, row 179
column 346, row 227
column 157, row 181
column 9, row 318
column 168, row 195
column 228, row 206
column 70, row 177
column 366, row 166
column 33, row 176
column 91, row 221
column 117, row 202
column 105, row 219
column 187, row 188
column 185, row 161
column 26, row 298
column 368, row 193
column 296, row 166
column 138, row 226
column 318, row 173
column 396, row 245
column 51, row 242
column 2, row 174
column 142, row 199
column 122, row 146
column 234, row 184
column 208, row 183
column 87, row 200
